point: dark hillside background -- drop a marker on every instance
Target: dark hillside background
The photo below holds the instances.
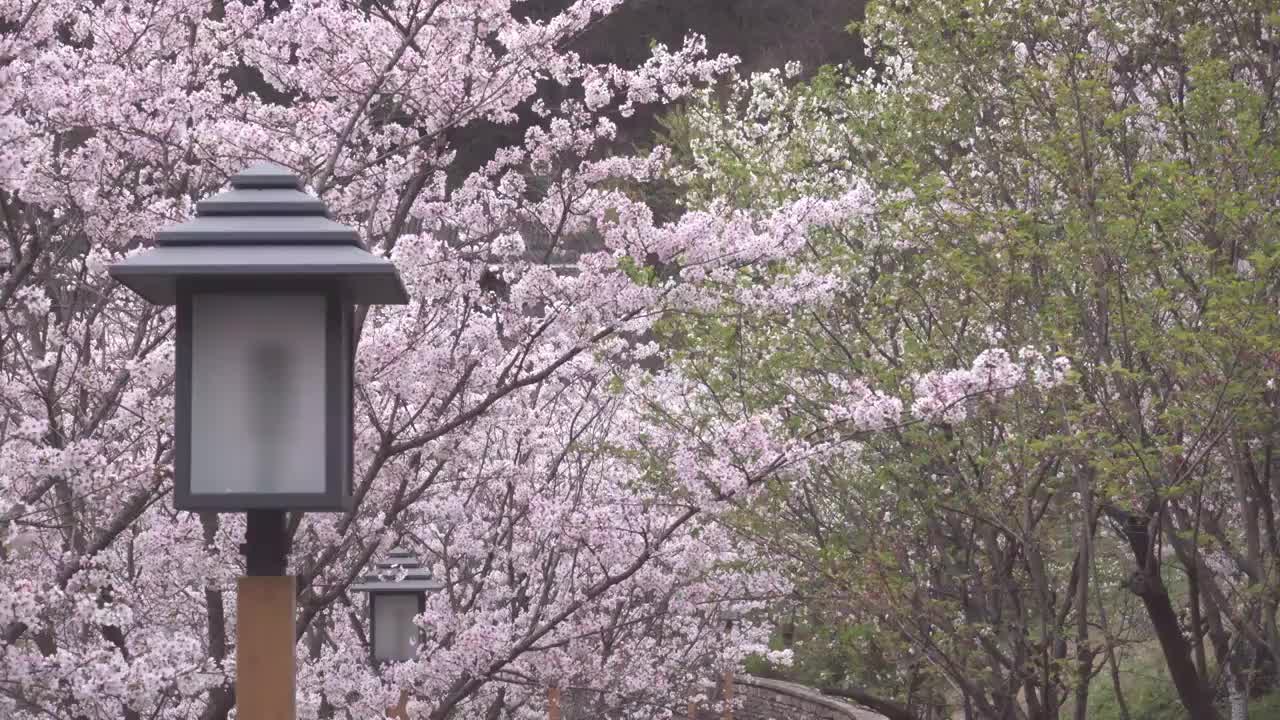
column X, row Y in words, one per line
column 762, row 33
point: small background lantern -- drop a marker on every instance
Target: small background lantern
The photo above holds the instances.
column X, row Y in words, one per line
column 393, row 603
column 265, row 285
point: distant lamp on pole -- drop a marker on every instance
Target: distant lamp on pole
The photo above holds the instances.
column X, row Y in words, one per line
column 397, row 589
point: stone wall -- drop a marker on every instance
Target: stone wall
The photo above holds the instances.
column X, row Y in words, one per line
column 757, row 698
column 754, row 698
column 763, row 699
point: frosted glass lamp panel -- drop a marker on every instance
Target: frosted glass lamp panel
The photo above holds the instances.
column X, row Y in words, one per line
column 394, row 635
column 257, row 394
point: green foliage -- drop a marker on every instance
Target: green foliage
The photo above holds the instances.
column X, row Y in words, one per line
column 1096, row 181
column 1267, row 706
column 1151, row 697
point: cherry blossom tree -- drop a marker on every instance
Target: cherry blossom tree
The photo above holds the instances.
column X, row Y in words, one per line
column 500, row 413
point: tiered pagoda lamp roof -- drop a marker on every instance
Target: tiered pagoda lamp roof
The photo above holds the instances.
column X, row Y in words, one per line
column 265, row 225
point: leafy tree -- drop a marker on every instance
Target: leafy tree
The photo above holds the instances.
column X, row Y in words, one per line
column 1071, row 206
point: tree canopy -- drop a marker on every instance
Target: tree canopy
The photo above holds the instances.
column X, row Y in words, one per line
column 953, row 378
column 1045, row 348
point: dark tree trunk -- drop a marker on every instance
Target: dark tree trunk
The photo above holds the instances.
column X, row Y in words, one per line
column 1145, row 582
column 223, row 697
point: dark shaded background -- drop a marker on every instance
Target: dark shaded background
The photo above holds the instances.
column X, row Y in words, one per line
column 763, row 33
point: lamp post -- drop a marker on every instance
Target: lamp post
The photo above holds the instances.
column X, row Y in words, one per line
column 726, row 678
column 397, row 590
column 265, row 284
column 393, row 603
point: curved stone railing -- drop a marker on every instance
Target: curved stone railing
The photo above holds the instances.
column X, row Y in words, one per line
column 754, row 698
column 765, row 699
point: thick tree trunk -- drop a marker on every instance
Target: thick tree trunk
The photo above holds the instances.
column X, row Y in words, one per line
column 1149, row 587
column 222, row 697
column 1238, row 694
column 1084, row 654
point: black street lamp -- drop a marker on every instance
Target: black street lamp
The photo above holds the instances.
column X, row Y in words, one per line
column 265, row 284
column 393, row 603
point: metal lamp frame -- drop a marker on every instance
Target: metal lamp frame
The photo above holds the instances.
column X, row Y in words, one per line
column 339, row 375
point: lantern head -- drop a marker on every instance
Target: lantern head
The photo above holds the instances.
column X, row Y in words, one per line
column 393, row 603
column 265, row 284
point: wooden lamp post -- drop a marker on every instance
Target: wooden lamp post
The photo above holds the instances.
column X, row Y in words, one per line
column 265, row 284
